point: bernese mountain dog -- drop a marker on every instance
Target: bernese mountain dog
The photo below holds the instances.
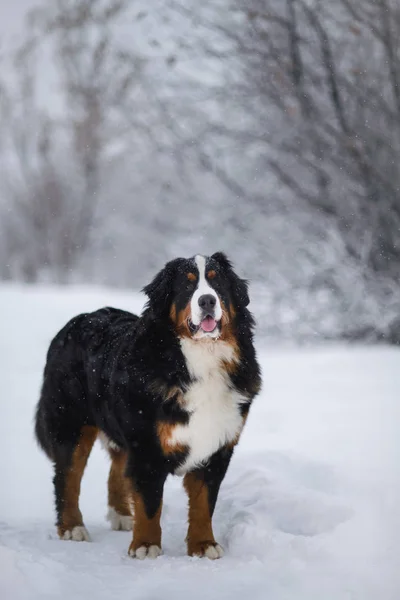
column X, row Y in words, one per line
column 167, row 392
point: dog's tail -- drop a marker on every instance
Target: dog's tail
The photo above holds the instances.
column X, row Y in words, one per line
column 41, row 429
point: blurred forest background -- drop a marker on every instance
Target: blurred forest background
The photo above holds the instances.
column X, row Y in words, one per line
column 134, row 131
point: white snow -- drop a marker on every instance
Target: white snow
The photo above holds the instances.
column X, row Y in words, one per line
column 310, row 508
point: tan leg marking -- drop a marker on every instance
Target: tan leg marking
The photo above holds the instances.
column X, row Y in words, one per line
column 146, row 532
column 118, row 484
column 119, row 512
column 200, row 538
column 71, row 516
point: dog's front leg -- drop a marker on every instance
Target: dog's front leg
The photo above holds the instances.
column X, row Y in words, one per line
column 202, row 487
column 147, row 484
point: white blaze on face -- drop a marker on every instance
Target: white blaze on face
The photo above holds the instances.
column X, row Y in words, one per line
column 203, row 288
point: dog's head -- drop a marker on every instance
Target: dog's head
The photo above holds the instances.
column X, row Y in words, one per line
column 201, row 295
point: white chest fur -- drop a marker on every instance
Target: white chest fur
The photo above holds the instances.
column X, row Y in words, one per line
column 214, row 407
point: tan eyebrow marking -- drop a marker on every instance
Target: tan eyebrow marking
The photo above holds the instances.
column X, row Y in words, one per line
column 191, row 277
column 211, row 274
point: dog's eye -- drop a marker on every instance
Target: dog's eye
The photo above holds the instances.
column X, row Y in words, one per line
column 211, row 274
column 191, row 277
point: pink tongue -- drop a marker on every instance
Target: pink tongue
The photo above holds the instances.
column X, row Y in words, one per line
column 208, row 324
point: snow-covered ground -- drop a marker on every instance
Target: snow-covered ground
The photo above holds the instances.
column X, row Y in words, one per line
column 310, row 508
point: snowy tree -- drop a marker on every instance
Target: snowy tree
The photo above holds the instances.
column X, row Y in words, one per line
column 314, row 89
column 266, row 128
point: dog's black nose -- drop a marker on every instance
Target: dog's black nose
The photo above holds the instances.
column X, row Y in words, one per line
column 207, row 302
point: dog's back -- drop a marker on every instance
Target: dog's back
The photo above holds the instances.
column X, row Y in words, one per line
column 81, row 346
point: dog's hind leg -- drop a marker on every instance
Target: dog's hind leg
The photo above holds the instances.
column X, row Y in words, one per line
column 119, row 510
column 69, row 465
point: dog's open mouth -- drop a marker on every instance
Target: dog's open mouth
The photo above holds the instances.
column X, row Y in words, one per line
column 207, row 325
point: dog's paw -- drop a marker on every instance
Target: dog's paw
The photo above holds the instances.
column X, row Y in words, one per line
column 145, row 551
column 210, row 550
column 79, row 533
column 214, row 552
column 119, row 522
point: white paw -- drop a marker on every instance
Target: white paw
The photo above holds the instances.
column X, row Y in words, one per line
column 119, row 522
column 146, row 552
column 77, row 534
column 214, row 552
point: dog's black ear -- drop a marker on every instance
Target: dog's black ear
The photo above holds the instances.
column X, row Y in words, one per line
column 222, row 259
column 159, row 290
column 239, row 286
